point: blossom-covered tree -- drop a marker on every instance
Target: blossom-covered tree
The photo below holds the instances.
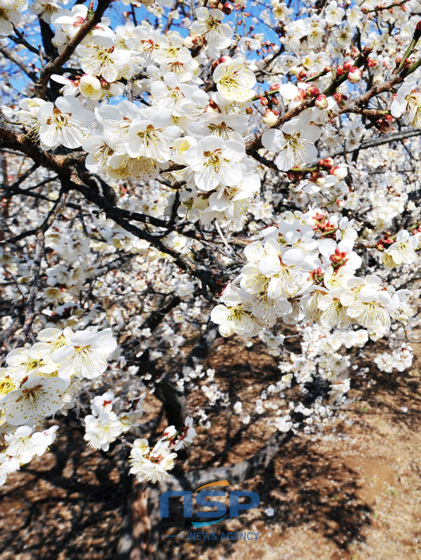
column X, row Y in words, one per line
column 174, row 169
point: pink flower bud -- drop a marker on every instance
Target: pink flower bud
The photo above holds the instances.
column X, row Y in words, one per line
column 354, row 75
column 321, row 101
column 312, row 91
column 270, row 118
column 339, row 171
column 341, row 100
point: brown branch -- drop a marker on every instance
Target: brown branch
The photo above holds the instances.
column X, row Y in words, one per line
column 382, row 140
column 19, row 237
column 20, row 142
column 13, row 57
column 357, row 106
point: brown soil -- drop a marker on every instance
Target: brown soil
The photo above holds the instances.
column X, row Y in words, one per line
column 352, row 492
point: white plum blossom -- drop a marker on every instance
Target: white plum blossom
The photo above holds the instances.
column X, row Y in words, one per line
column 208, row 24
column 398, row 359
column 216, row 162
column 8, row 465
column 169, row 153
column 403, row 250
column 64, row 123
column 102, row 430
column 46, row 8
column 86, row 355
column 90, row 87
column 293, row 144
column 407, row 102
column 101, row 58
column 232, row 316
column 151, row 464
column 36, row 398
column 151, row 136
column 234, row 80
column 333, row 14
column 25, row 443
column 10, row 13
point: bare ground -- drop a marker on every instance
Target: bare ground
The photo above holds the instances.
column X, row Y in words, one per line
column 352, row 492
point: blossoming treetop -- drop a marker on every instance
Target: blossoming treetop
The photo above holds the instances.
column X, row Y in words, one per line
column 155, row 154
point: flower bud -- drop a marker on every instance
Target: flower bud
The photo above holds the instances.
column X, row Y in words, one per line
column 339, row 171
column 264, row 101
column 312, row 91
column 295, row 175
column 341, row 100
column 385, row 123
column 321, row 101
column 354, row 75
column 224, row 60
column 318, row 178
column 249, row 110
column 270, row 118
column 188, row 42
column 228, row 8
column 327, row 163
column 212, row 107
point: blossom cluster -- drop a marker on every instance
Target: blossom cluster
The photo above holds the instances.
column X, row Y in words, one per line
column 295, row 149
column 153, row 463
column 399, row 359
column 306, row 269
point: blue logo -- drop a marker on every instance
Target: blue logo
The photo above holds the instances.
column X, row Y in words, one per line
column 202, row 500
